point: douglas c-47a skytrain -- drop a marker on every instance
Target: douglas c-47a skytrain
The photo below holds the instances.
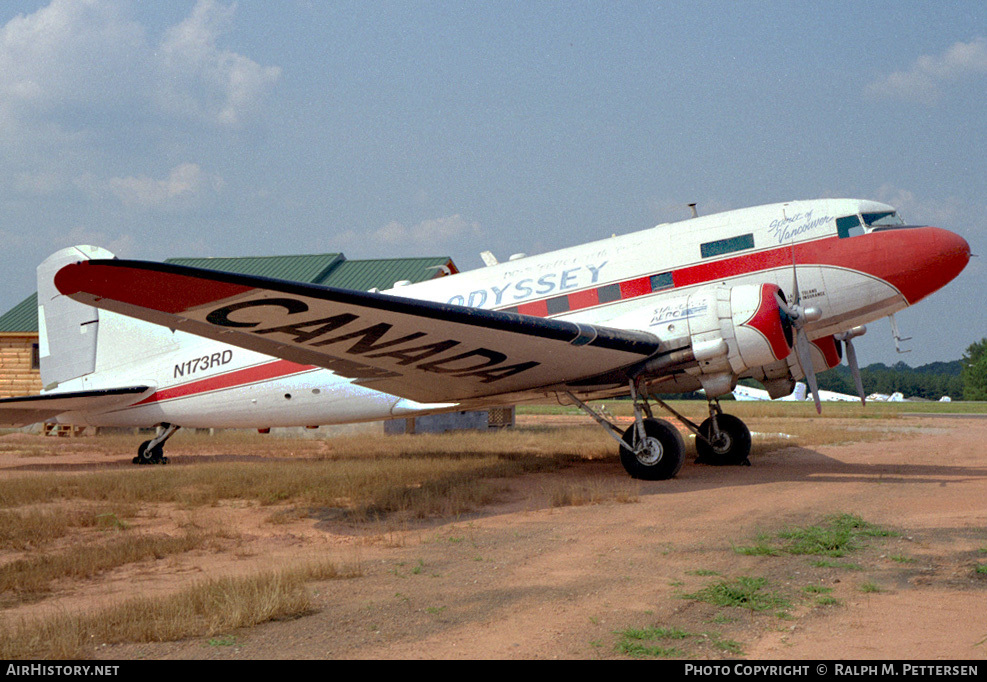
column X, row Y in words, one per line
column 772, row 293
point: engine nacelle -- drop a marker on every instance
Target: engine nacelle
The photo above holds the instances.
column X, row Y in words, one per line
column 826, row 353
column 730, row 330
column 779, row 378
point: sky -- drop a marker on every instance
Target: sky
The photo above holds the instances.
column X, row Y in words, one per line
column 392, row 129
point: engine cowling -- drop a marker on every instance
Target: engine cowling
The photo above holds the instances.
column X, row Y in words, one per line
column 779, row 378
column 730, row 330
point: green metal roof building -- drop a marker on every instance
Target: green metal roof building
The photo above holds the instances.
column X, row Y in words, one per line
column 23, row 317
column 326, row 269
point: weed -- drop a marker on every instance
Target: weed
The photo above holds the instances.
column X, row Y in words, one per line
column 759, row 549
column 870, row 587
column 640, row 643
column 980, row 569
column 837, row 537
column 825, row 563
column 744, row 592
column 728, row 645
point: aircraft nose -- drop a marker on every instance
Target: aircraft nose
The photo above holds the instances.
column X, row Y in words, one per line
column 931, row 257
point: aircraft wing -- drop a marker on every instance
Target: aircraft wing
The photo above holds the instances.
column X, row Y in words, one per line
column 422, row 350
column 31, row 409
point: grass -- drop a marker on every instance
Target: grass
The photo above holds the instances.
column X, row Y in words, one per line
column 569, row 494
column 838, row 536
column 37, row 527
column 782, row 410
column 643, row 643
column 743, row 592
column 206, row 609
column 27, row 579
column 419, row 486
column 655, row 642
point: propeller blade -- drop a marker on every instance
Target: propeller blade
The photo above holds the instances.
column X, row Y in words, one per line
column 795, row 280
column 804, row 354
column 851, row 360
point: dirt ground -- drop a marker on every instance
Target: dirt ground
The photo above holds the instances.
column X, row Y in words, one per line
column 522, row 579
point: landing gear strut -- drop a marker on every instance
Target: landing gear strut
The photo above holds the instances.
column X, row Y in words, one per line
column 725, row 439
column 152, row 451
column 650, row 449
column 653, row 450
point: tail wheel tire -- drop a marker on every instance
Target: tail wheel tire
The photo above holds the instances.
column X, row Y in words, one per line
column 662, row 454
column 146, row 455
column 732, row 447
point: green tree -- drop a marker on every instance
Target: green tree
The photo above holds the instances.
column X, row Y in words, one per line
column 975, row 371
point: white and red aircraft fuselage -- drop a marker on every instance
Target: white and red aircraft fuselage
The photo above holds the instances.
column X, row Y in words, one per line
column 770, row 292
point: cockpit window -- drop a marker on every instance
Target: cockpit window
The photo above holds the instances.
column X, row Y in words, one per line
column 882, row 218
column 849, row 226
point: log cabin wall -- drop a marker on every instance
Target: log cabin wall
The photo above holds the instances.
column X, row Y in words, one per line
column 19, row 373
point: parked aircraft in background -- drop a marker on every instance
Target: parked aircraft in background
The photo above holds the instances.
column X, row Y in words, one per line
column 773, row 293
column 801, row 392
column 747, row 394
column 885, row 398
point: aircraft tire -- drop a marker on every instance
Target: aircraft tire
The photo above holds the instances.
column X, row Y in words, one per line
column 662, row 459
column 154, row 456
column 734, row 448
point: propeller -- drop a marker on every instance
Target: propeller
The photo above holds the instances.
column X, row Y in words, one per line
column 851, row 358
column 798, row 316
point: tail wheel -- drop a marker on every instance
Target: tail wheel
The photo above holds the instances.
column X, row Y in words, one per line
column 731, row 447
column 659, row 457
column 146, row 455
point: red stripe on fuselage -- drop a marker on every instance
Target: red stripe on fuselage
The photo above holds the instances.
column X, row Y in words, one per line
column 240, row 377
column 915, row 261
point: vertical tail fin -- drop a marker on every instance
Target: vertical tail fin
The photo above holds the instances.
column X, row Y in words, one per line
column 97, row 347
column 67, row 330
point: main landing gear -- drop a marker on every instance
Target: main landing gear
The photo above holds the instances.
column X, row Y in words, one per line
column 152, row 451
column 653, row 450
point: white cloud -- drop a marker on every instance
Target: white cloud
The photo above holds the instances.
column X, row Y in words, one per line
column 923, row 82
column 184, row 183
column 77, row 65
column 438, row 230
column 201, row 81
column 68, row 52
column 119, row 244
column 923, row 211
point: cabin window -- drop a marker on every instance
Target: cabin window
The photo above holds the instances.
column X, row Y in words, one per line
column 35, row 356
column 849, row 226
column 608, row 293
column 725, row 246
column 882, row 218
column 662, row 281
column 559, row 304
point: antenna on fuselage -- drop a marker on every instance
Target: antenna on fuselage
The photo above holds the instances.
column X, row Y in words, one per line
column 695, row 213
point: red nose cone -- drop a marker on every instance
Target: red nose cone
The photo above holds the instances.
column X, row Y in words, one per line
column 927, row 258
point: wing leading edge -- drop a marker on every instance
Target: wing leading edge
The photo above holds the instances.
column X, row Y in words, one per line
column 422, row 350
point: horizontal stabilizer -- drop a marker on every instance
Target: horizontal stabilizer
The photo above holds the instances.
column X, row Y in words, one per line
column 32, row 409
column 421, row 350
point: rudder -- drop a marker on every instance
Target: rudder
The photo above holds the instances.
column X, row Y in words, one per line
column 67, row 330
